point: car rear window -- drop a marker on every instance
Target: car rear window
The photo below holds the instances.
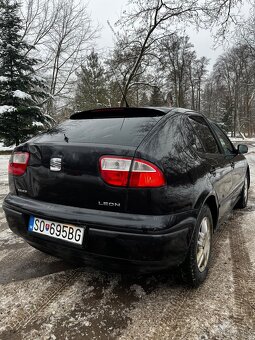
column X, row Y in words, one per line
column 128, row 131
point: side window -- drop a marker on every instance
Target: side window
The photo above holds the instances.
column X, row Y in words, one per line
column 196, row 144
column 224, row 141
column 205, row 135
column 192, row 138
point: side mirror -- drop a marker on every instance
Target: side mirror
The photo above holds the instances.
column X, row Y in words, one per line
column 242, row 148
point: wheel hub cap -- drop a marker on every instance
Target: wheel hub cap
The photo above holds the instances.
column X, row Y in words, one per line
column 203, row 244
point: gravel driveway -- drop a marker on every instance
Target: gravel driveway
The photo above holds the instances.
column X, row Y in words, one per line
column 42, row 297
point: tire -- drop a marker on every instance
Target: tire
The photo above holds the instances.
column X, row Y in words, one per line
column 242, row 202
column 195, row 267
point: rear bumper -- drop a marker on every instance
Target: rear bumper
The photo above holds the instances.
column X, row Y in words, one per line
column 116, row 240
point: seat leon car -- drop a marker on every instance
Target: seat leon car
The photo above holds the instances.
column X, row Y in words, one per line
column 127, row 188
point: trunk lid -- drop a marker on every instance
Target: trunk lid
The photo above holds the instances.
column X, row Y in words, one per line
column 64, row 162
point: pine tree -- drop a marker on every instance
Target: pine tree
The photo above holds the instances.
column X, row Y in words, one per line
column 91, row 89
column 20, row 89
column 156, row 98
column 144, row 101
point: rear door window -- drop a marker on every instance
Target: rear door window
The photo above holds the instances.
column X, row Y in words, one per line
column 205, row 135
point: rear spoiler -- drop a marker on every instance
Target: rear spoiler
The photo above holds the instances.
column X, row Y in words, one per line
column 121, row 112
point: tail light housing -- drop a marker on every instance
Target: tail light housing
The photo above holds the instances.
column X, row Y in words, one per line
column 18, row 163
column 128, row 172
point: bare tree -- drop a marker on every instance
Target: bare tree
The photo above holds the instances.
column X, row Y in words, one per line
column 62, row 33
column 198, row 72
column 230, row 90
column 183, row 72
column 39, row 17
column 245, row 31
column 147, row 21
column 176, row 55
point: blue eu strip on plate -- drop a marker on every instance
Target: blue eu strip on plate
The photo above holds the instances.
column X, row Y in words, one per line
column 31, row 223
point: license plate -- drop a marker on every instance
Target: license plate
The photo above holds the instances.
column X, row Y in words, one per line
column 66, row 232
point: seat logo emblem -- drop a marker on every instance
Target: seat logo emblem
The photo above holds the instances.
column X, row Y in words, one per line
column 55, row 164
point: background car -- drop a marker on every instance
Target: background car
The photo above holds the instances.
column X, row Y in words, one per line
column 128, row 187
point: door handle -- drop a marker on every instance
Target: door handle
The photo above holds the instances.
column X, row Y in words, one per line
column 213, row 171
column 232, row 165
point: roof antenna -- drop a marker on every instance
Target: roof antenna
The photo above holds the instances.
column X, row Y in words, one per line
column 66, row 139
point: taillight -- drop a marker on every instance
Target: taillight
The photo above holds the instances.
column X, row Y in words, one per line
column 115, row 170
column 120, row 171
column 146, row 174
column 18, row 163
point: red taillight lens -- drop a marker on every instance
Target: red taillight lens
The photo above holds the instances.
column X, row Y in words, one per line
column 146, row 174
column 18, row 163
column 117, row 171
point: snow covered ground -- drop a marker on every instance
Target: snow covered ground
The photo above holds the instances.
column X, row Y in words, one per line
column 5, row 148
column 41, row 297
column 3, row 170
column 241, row 140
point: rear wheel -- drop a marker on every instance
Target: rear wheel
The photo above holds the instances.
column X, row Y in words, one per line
column 242, row 203
column 195, row 267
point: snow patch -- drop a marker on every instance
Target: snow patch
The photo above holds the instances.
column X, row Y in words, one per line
column 3, row 79
column 4, row 159
column 7, row 108
column 7, row 238
column 240, row 139
column 5, row 148
column 37, row 78
column 21, row 95
column 38, row 124
column 49, row 117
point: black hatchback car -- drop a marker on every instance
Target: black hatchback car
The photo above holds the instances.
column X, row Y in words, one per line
column 127, row 187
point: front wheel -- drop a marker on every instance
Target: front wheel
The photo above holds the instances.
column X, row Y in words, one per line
column 196, row 265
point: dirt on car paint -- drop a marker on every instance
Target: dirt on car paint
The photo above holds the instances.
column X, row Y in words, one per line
column 42, row 297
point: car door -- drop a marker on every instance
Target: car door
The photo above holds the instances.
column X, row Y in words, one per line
column 236, row 161
column 219, row 167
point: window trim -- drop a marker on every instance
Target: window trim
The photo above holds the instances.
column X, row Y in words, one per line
column 207, row 123
column 195, row 133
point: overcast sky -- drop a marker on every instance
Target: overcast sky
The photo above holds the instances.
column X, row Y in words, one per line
column 103, row 10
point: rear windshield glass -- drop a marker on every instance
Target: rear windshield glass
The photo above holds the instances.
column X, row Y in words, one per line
column 117, row 131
